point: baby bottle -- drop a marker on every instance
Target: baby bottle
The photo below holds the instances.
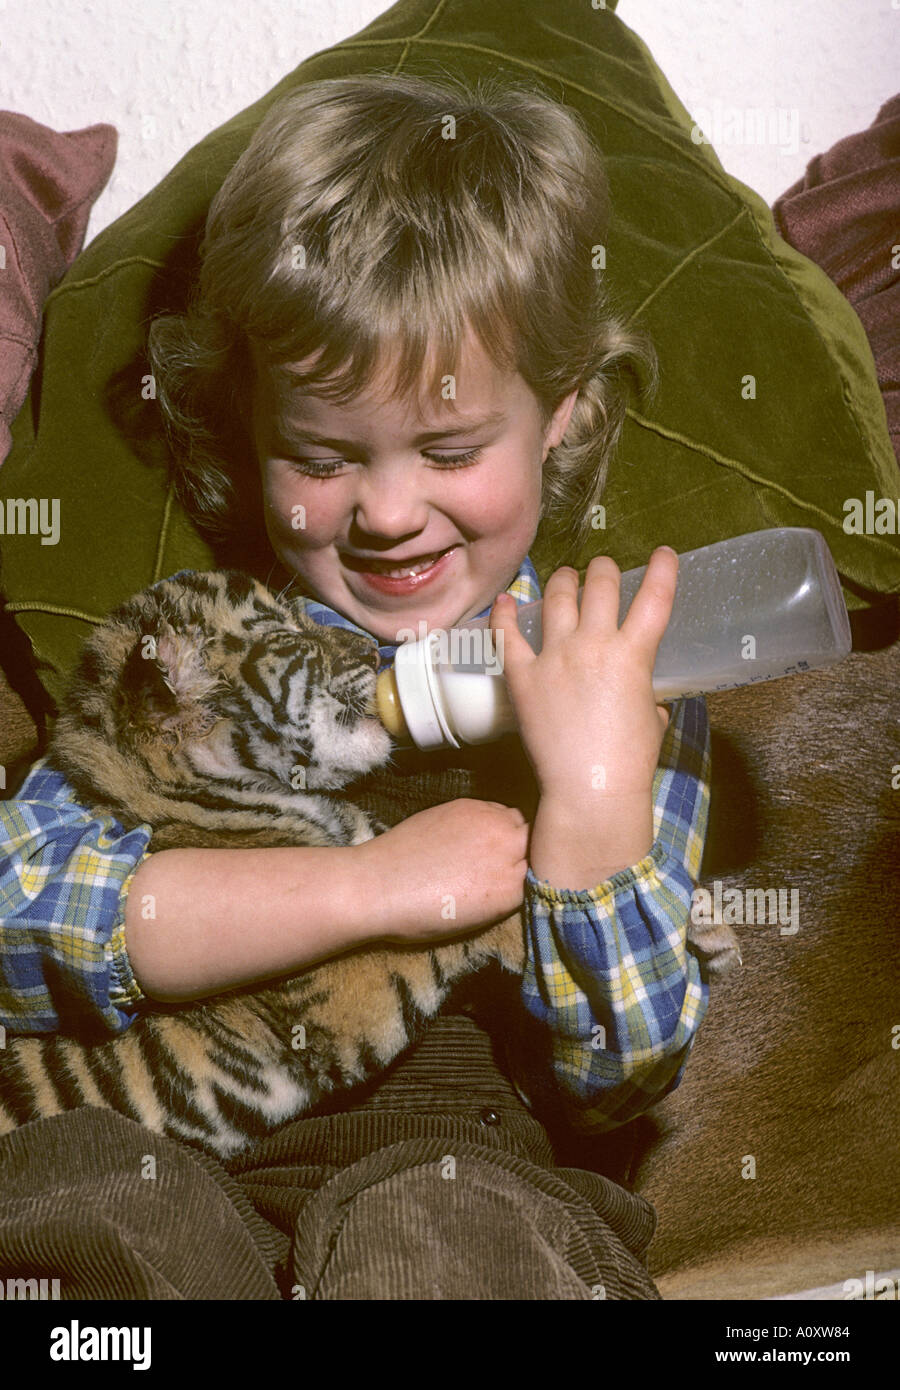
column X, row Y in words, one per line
column 751, row 608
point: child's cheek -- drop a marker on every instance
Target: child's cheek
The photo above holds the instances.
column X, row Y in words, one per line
column 294, row 514
column 510, row 498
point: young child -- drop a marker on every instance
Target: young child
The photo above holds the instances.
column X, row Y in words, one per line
column 400, row 355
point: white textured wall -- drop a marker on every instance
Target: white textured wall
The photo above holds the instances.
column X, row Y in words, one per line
column 822, row 67
column 165, row 72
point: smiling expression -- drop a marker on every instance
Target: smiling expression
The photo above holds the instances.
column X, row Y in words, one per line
column 393, row 481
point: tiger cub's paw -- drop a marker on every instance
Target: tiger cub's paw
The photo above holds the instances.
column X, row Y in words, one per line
column 717, row 946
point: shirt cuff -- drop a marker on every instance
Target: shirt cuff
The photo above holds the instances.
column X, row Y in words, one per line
column 602, row 894
column 124, row 990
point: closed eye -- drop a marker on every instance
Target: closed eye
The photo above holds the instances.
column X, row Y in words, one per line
column 269, row 623
column 326, row 468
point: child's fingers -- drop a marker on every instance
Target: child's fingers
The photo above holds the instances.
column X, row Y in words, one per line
column 651, row 608
column 559, row 610
column 511, row 646
column 600, row 600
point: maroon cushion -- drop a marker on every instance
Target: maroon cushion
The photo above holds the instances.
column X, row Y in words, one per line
column 49, row 181
column 843, row 215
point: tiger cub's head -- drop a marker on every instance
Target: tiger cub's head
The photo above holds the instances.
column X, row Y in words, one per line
column 209, row 677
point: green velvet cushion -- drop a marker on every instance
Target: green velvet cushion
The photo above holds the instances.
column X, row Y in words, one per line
column 692, row 254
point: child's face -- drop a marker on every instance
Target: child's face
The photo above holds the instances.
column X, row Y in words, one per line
column 393, row 495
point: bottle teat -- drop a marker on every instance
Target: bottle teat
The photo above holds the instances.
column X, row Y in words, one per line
column 390, row 711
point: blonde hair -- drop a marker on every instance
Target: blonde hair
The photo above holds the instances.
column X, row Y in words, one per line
column 394, row 210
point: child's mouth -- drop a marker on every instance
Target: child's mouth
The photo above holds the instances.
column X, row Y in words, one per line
column 397, row 579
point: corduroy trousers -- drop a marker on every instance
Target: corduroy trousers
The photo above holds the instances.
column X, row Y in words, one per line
column 440, row 1184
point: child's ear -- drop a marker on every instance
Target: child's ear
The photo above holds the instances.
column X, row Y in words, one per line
column 559, row 421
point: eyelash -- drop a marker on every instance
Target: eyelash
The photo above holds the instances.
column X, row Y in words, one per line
column 457, row 461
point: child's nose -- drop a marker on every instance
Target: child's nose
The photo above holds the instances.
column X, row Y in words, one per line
column 391, row 505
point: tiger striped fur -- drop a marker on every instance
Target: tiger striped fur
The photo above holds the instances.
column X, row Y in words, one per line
column 221, row 715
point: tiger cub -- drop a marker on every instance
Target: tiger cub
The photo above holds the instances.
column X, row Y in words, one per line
column 221, row 715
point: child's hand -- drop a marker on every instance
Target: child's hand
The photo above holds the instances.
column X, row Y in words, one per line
column 445, row 870
column 584, row 704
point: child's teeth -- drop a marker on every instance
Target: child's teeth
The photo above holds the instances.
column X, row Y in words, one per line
column 411, row 569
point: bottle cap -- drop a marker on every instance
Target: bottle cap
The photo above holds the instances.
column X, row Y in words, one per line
column 420, row 694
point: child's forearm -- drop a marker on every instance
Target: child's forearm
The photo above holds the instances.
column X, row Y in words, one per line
column 200, row 921
column 578, row 846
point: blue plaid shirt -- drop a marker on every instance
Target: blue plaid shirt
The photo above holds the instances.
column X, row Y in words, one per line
column 608, row 976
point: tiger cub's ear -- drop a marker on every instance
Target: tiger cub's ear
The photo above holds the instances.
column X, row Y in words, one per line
column 165, row 686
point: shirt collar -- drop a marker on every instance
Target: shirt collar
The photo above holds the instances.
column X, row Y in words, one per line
column 525, row 588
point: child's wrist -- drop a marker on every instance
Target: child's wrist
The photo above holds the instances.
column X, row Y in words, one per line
column 577, row 846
